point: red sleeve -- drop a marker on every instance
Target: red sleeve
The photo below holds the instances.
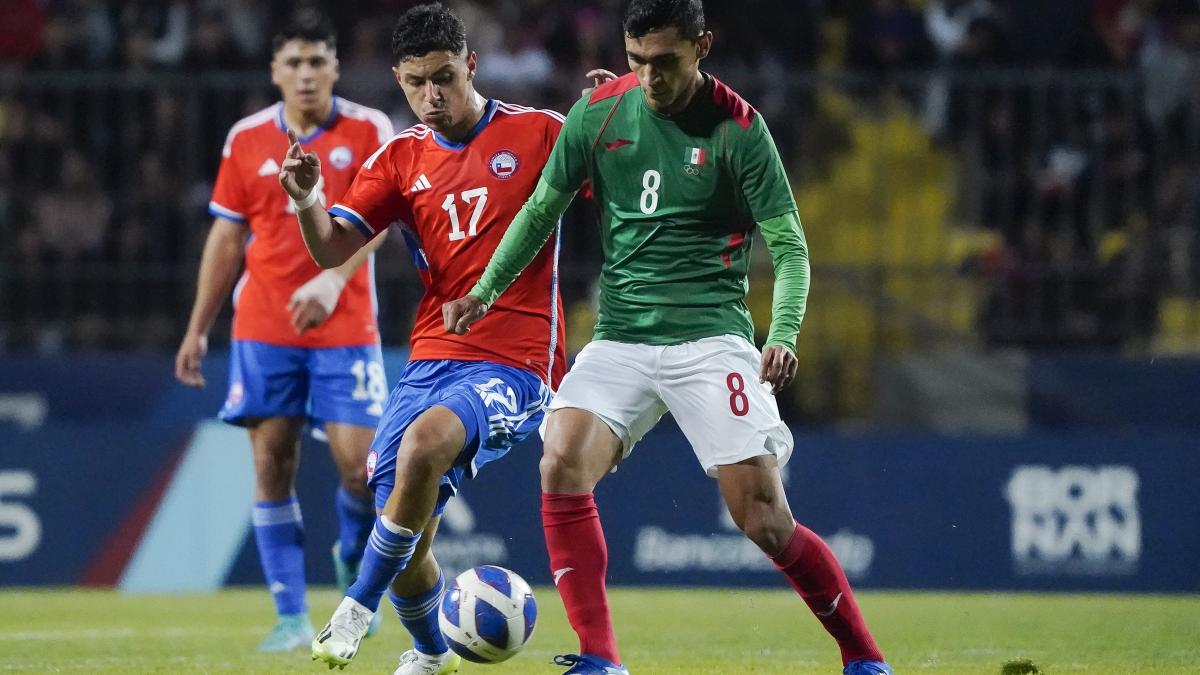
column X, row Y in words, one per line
column 375, row 199
column 228, row 196
column 553, row 128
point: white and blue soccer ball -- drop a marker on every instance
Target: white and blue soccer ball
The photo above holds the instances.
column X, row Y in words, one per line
column 487, row 614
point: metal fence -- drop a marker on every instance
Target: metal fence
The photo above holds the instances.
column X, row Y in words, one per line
column 1033, row 209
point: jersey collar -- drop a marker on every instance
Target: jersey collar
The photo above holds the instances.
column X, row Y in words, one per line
column 333, row 115
column 488, row 112
column 704, row 93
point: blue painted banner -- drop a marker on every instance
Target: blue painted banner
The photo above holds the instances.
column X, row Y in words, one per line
column 1100, row 391
column 154, row 495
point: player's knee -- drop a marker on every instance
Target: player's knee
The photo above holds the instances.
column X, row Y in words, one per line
column 426, row 448
column 561, row 466
column 551, row 466
column 352, row 475
column 274, row 471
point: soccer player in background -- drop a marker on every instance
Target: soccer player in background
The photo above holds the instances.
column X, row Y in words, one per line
column 684, row 170
column 452, row 183
column 305, row 344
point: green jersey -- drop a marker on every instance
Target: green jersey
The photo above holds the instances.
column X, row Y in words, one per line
column 679, row 198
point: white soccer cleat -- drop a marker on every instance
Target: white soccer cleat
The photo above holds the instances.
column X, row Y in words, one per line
column 337, row 643
column 413, row 662
column 345, row 577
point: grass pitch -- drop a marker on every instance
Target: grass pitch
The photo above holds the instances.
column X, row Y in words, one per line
column 667, row 632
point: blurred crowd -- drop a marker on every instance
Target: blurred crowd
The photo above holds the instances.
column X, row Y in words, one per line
column 1076, row 124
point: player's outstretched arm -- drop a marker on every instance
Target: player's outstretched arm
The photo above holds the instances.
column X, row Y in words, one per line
column 789, row 256
column 219, row 266
column 526, row 236
column 330, row 241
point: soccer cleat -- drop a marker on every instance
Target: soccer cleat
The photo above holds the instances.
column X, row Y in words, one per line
column 337, row 643
column 862, row 667
column 292, row 631
column 586, row 664
column 345, row 576
column 413, row 662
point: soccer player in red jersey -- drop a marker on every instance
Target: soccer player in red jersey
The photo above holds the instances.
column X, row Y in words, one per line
column 451, row 184
column 305, row 344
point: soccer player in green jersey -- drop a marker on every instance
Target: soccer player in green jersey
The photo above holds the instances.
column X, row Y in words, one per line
column 684, row 170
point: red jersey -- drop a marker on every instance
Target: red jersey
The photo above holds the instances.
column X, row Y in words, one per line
column 453, row 202
column 277, row 262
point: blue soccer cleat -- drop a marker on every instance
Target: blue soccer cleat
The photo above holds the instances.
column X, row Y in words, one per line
column 586, row 664
column 862, row 667
column 345, row 577
column 292, row 631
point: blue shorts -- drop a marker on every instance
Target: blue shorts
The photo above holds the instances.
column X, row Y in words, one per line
column 498, row 405
column 344, row 385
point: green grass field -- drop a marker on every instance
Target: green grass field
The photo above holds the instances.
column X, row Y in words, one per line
column 661, row 632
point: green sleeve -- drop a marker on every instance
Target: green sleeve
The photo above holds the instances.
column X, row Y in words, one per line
column 789, row 256
column 759, row 171
column 567, row 167
column 526, row 235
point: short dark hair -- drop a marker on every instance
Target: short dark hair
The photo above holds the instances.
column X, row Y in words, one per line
column 308, row 25
column 644, row 16
column 430, row 27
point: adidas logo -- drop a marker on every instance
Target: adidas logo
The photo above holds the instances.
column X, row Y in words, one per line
column 421, row 184
column 269, row 167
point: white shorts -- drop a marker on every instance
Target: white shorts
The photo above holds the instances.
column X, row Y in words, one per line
column 710, row 386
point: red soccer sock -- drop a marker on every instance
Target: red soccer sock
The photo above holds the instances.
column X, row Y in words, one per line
column 817, row 576
column 579, row 560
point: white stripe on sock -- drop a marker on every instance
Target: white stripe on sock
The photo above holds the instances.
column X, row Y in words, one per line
column 391, row 550
column 276, row 515
column 408, row 612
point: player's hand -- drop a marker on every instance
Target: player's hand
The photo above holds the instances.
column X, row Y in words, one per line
column 778, row 367
column 306, row 314
column 461, row 313
column 187, row 360
column 312, row 303
column 599, row 76
column 300, row 170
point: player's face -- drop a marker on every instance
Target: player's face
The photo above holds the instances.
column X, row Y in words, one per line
column 438, row 88
column 667, row 65
column 305, row 72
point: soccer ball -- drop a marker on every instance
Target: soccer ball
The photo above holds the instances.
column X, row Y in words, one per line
column 487, row 614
